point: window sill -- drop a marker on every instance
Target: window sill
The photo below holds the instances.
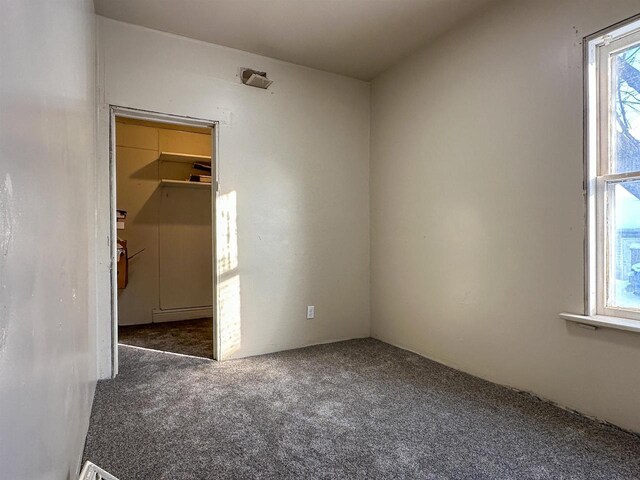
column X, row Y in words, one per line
column 603, row 321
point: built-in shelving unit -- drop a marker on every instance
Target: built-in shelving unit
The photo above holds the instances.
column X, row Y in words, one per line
column 175, row 157
column 183, row 158
column 183, row 184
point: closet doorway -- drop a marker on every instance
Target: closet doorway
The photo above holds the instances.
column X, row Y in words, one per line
column 163, row 198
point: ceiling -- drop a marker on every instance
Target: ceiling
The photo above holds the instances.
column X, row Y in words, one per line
column 357, row 38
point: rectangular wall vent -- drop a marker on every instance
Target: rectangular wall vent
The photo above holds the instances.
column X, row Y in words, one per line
column 93, row 472
column 255, row 78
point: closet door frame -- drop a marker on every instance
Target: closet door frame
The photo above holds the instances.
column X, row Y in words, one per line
column 127, row 112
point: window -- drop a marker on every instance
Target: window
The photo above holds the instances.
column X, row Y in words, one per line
column 613, row 172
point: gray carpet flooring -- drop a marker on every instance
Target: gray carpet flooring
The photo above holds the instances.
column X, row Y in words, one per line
column 360, row 409
column 188, row 337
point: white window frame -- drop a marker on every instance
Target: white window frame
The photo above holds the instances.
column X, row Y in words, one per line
column 598, row 178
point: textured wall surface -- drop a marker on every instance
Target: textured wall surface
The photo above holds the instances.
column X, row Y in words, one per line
column 47, row 219
column 293, row 213
column 477, row 223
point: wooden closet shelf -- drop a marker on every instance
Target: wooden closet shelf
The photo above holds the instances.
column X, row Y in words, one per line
column 184, row 158
column 165, row 182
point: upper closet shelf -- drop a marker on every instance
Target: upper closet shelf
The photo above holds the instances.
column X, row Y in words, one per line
column 183, row 158
column 165, row 182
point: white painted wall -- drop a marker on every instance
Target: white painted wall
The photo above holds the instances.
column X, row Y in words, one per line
column 294, row 172
column 47, row 303
column 477, row 208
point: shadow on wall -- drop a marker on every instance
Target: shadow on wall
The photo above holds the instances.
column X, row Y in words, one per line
column 229, row 288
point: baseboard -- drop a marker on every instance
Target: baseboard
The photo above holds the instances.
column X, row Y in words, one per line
column 85, row 428
column 276, row 348
column 515, row 389
column 177, row 314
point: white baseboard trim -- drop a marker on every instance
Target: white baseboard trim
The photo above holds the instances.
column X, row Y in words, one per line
column 278, row 347
column 176, row 314
column 510, row 387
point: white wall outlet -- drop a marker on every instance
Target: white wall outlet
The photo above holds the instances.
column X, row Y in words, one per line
column 311, row 312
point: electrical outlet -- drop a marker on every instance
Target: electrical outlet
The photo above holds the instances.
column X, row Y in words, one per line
column 311, row 312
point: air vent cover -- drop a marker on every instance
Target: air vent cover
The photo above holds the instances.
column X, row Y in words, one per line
column 255, row 78
column 93, row 472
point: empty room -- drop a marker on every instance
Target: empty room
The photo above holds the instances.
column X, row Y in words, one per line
column 323, row 239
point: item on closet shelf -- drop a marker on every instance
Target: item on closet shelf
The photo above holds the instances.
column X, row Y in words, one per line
column 121, row 216
column 123, row 264
column 206, row 167
column 200, row 178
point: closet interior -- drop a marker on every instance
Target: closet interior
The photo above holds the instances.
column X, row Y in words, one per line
column 165, row 236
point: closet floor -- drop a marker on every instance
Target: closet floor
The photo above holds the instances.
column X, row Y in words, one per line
column 188, row 337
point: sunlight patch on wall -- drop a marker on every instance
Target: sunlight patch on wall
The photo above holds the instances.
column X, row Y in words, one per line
column 229, row 288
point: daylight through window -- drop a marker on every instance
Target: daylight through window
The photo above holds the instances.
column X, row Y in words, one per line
column 614, row 172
